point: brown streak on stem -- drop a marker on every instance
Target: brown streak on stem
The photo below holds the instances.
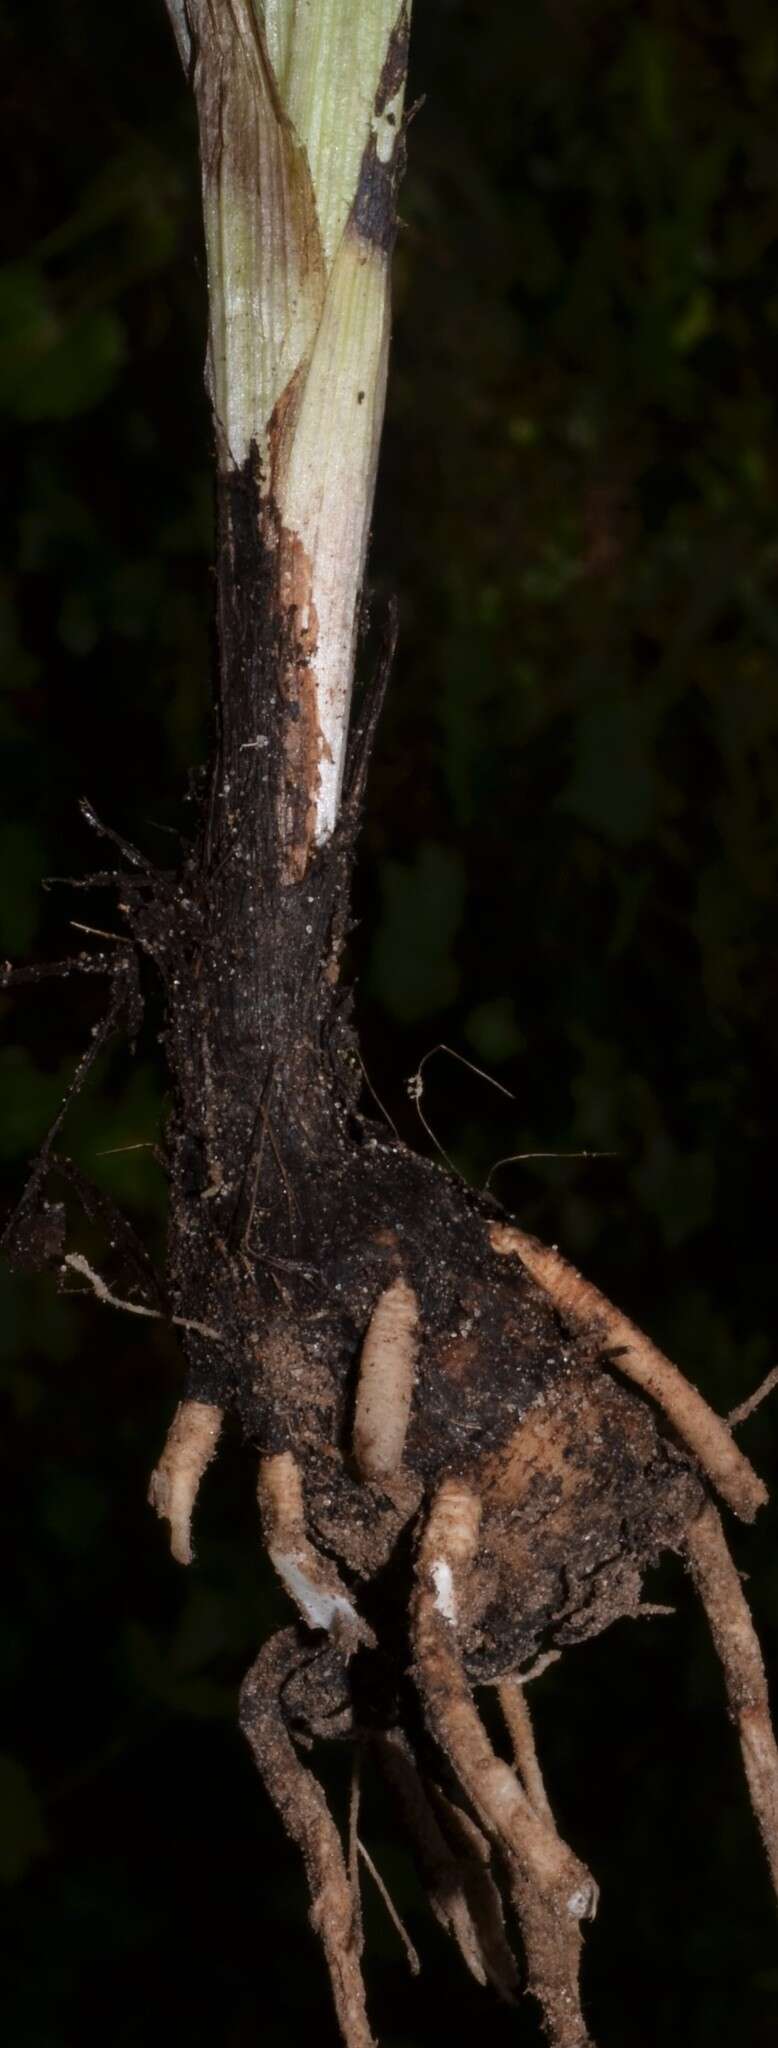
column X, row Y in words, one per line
column 395, row 64
column 302, row 733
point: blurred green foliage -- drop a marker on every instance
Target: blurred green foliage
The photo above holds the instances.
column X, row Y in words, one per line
column 568, row 875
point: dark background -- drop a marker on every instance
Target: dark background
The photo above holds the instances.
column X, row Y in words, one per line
column 568, row 875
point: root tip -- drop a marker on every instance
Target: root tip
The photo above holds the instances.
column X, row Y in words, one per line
column 174, row 1484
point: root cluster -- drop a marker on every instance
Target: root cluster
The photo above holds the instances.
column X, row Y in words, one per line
column 478, row 1596
column 467, row 1458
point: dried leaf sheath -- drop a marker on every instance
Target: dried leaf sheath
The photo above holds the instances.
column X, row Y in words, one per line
column 266, row 276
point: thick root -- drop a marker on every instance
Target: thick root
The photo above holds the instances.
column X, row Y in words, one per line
column 516, row 1715
column 551, row 1890
column 718, row 1584
column 303, row 1809
column 313, row 1582
column 709, row 1437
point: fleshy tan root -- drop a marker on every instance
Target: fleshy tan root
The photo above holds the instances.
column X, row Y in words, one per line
column 707, row 1436
column 313, row 1582
column 386, row 1375
column 189, row 1447
column 299, row 1800
column 516, row 1715
column 551, row 1890
column 718, row 1584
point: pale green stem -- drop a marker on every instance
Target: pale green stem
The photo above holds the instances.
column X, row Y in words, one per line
column 300, row 106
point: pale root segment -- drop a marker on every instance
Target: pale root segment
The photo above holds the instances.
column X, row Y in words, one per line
column 485, row 1906
column 300, row 110
column 551, row 1890
column 718, row 1584
column 174, row 1485
column 300, row 1801
column 387, row 1369
column 707, row 1435
column 516, row 1715
column 312, row 1582
column 453, row 1860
